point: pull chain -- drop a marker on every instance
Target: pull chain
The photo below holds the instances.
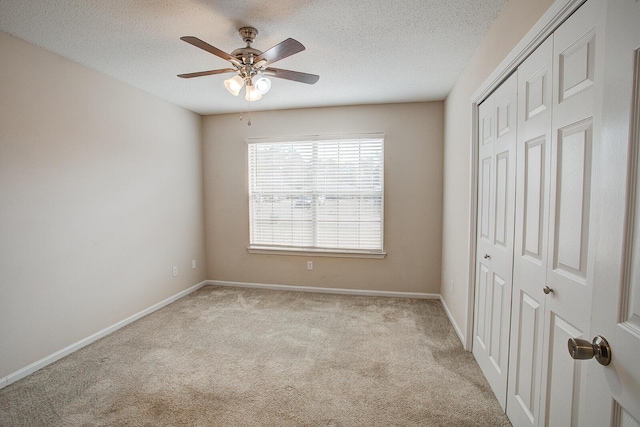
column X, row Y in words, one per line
column 249, row 122
column 249, row 114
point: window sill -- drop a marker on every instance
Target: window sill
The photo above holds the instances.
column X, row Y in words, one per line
column 266, row 250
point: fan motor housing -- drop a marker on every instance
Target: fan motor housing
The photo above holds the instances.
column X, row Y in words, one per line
column 246, row 54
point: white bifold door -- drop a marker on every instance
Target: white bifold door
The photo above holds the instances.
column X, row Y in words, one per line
column 494, row 254
column 554, row 253
column 571, row 229
column 613, row 391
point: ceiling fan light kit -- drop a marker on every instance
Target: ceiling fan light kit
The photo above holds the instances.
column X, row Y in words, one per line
column 251, row 94
column 262, row 84
column 234, row 85
column 251, row 65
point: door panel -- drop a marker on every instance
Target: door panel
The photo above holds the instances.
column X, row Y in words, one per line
column 506, row 116
column 534, row 201
column 487, row 125
column 522, row 402
column 576, row 66
column 531, row 229
column 481, row 333
column 562, row 394
column 483, row 299
column 570, row 263
column 537, row 93
column 496, row 355
column 485, row 199
column 502, row 211
column 613, row 391
column 494, row 259
column 572, row 202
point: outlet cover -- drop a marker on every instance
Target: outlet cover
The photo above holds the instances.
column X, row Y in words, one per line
column 309, row 265
column 175, row 271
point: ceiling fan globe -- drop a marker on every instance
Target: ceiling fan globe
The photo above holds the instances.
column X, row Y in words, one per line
column 234, row 85
column 251, row 94
column 262, row 85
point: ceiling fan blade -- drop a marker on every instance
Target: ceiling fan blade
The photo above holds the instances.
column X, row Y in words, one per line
column 206, row 46
column 296, row 76
column 206, row 73
column 280, row 51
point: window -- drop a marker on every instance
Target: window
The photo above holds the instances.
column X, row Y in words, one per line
column 317, row 194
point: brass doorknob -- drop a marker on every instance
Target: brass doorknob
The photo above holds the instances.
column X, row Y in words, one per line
column 599, row 348
column 547, row 290
column 487, row 256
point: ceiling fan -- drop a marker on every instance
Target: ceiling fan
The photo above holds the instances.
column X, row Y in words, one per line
column 251, row 65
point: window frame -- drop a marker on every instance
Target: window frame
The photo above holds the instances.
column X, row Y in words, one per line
column 315, row 251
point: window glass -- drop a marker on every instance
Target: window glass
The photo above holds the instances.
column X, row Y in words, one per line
column 323, row 193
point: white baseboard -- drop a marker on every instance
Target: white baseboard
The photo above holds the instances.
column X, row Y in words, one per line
column 338, row 291
column 39, row 364
column 454, row 324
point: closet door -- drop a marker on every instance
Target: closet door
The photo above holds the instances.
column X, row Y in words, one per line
column 553, row 250
column 570, row 256
column 494, row 252
column 614, row 390
column 531, row 230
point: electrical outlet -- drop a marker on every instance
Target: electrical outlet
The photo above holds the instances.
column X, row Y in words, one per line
column 309, row 265
column 193, row 264
column 175, row 271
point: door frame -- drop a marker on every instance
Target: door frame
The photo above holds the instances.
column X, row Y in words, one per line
column 557, row 13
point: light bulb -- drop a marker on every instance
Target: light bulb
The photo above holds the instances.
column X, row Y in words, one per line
column 252, row 94
column 262, row 84
column 234, row 84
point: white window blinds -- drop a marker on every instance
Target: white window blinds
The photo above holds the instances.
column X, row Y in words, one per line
column 323, row 194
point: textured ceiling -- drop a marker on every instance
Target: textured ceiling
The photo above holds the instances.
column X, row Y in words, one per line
column 373, row 51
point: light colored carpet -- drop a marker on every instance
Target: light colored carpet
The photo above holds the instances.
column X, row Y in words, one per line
column 248, row 357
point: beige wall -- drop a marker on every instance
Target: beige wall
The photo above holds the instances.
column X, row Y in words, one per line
column 100, row 195
column 413, row 198
column 515, row 20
